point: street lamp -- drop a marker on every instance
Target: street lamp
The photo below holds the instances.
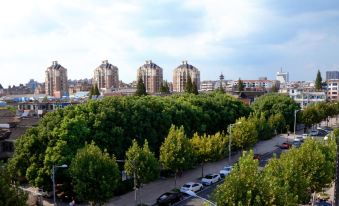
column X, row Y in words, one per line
column 193, row 194
column 134, row 179
column 53, row 178
column 295, row 120
column 230, row 140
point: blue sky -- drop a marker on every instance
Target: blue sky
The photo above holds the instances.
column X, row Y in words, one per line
column 244, row 38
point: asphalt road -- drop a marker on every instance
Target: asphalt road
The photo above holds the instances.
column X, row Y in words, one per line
column 206, row 193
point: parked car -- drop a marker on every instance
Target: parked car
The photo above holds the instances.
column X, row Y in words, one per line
column 169, row 198
column 314, row 133
column 210, row 179
column 327, row 129
column 225, row 171
column 257, row 157
column 322, row 132
column 301, row 138
column 305, row 136
column 296, row 143
column 285, row 145
column 193, row 186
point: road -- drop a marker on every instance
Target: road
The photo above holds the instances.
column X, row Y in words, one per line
column 206, row 193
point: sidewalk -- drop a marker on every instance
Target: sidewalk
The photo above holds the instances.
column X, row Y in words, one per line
column 150, row 192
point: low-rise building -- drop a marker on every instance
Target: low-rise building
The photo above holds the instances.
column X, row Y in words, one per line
column 258, row 85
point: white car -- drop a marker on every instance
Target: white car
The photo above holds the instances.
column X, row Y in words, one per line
column 193, row 186
column 225, row 171
column 314, row 133
column 210, row 179
column 305, row 136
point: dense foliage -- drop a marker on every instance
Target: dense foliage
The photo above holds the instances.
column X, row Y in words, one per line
column 176, row 153
column 112, row 124
column 276, row 104
column 289, row 180
column 209, row 148
column 141, row 163
column 141, row 88
column 10, row 194
column 95, row 174
column 315, row 113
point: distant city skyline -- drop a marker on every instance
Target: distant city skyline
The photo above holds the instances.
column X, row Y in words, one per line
column 246, row 39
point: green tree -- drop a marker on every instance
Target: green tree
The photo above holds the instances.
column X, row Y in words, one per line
column 164, row 88
column 176, row 151
column 245, row 133
column 95, row 174
column 195, row 88
column 274, row 88
column 241, row 85
column 242, row 185
column 318, row 82
column 188, row 84
column 209, row 147
column 96, row 91
column 91, row 92
column 277, row 122
column 10, row 194
column 141, row 89
column 142, row 163
column 273, row 103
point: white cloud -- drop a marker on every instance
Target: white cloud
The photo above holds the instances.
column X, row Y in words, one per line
column 81, row 33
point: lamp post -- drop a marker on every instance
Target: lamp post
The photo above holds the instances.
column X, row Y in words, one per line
column 193, row 194
column 230, row 141
column 134, row 179
column 53, row 178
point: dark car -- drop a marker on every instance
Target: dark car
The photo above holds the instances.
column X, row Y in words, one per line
column 257, row 157
column 285, row 145
column 169, row 198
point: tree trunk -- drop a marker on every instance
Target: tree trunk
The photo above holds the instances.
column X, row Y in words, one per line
column 202, row 170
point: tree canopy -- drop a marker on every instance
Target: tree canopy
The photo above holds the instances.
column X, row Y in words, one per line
column 142, row 163
column 176, row 152
column 108, row 122
column 95, row 174
column 10, row 194
column 141, row 88
column 318, row 82
column 273, row 104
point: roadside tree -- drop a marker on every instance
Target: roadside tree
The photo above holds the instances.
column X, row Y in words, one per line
column 95, row 174
column 176, row 152
column 10, row 194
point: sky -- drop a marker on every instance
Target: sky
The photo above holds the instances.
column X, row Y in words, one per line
column 242, row 39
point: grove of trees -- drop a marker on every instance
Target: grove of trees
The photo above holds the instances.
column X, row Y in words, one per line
column 290, row 180
column 112, row 123
column 181, row 130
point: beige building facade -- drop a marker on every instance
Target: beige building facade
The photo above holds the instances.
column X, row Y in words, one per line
column 180, row 75
column 106, row 76
column 152, row 76
column 56, row 84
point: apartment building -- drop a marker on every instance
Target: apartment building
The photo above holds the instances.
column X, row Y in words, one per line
column 180, row 75
column 106, row 76
column 332, row 89
column 56, row 84
column 152, row 76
